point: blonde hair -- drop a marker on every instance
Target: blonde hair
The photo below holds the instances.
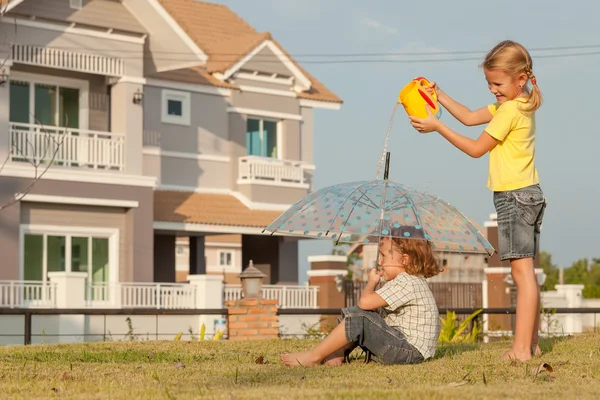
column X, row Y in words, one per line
column 422, row 259
column 512, row 58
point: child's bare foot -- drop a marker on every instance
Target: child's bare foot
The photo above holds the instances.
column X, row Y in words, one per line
column 304, row 359
column 334, row 361
column 536, row 350
column 513, row 355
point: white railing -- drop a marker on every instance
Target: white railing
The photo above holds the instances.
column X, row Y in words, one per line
column 300, row 296
column 24, row 294
column 67, row 146
column 253, row 168
column 142, row 295
column 69, row 60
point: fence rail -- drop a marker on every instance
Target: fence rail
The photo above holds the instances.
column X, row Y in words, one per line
column 27, row 294
column 254, row 168
column 288, row 296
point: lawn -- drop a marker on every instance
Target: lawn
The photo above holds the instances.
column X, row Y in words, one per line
column 251, row 370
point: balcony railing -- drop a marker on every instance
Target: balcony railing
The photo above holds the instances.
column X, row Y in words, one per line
column 266, row 169
column 69, row 60
column 27, row 294
column 288, row 296
column 67, row 147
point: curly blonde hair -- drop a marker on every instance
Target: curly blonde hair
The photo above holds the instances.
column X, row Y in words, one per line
column 422, row 257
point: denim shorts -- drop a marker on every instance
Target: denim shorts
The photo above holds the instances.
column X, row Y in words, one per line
column 520, row 213
column 369, row 330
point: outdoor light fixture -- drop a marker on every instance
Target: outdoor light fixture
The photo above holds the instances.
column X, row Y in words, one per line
column 252, row 280
column 3, row 77
column 137, row 97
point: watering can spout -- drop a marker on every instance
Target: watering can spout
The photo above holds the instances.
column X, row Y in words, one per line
column 415, row 97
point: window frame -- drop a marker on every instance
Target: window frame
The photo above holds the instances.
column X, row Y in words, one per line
column 220, row 253
column 278, row 135
column 177, row 95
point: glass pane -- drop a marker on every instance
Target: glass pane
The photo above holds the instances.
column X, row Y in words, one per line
column 253, row 137
column 33, row 258
column 19, row 102
column 69, row 107
column 45, row 104
column 270, row 139
column 79, row 254
column 100, row 260
column 175, row 107
column 56, row 253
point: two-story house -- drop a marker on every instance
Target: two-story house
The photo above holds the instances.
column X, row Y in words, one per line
column 141, row 121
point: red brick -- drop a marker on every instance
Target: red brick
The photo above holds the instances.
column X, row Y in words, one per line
column 269, row 318
column 247, row 332
column 257, row 325
column 238, row 325
column 247, row 318
column 248, row 303
column 268, row 332
column 274, row 325
column 256, row 311
column 269, row 302
column 237, row 310
column 271, row 310
column 263, row 337
column 239, row 338
column 230, row 303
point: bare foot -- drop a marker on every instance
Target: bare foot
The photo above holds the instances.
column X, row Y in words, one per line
column 334, row 361
column 514, row 355
column 536, row 350
column 304, row 359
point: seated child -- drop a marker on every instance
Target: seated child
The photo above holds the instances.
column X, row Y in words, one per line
column 407, row 330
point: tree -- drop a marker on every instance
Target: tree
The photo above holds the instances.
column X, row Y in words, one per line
column 550, row 270
column 585, row 273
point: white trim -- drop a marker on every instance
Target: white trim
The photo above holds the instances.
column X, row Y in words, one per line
column 189, row 227
column 112, row 234
column 494, row 216
column 12, row 4
column 43, row 198
column 251, row 205
column 328, row 105
column 310, row 167
column 506, row 270
column 76, row 175
column 271, row 183
column 305, row 83
column 327, row 258
column 178, row 30
column 222, row 244
column 82, row 85
column 131, row 79
column 190, row 87
column 191, row 156
column 326, row 272
column 278, row 138
column 219, row 252
column 185, row 98
column 73, row 29
column 275, row 92
column 261, row 78
column 264, row 113
column 490, row 224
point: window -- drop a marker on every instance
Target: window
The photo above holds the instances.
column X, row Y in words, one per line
column 45, row 104
column 225, row 258
column 261, row 138
column 175, row 107
column 76, row 4
column 52, row 251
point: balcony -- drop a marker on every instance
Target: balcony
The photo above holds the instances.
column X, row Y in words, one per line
column 67, row 147
column 254, row 169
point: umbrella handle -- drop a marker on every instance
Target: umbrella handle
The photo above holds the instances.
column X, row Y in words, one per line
column 386, row 171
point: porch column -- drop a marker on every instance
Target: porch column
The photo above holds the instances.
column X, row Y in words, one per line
column 197, row 256
column 4, row 115
column 70, row 293
column 288, row 260
column 127, row 118
column 164, row 258
column 325, row 273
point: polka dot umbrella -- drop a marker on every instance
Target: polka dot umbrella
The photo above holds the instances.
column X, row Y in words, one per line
column 366, row 211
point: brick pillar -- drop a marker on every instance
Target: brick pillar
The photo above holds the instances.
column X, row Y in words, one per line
column 323, row 272
column 252, row 319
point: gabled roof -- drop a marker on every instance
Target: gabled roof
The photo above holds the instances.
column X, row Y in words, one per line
column 226, row 39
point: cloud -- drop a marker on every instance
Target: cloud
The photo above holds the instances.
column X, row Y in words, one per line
column 371, row 25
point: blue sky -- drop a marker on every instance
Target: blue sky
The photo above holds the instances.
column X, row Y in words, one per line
column 568, row 138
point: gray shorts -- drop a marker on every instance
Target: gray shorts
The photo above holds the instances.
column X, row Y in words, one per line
column 520, row 213
column 369, row 330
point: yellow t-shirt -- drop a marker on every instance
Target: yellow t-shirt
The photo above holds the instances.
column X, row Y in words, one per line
column 512, row 160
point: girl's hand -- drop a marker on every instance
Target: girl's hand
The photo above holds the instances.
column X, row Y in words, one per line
column 425, row 125
column 374, row 276
column 433, row 88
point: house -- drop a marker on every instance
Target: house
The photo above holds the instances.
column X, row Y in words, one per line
column 144, row 122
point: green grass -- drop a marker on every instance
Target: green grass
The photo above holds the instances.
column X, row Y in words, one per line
column 229, row 370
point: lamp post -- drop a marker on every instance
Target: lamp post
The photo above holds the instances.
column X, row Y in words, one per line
column 252, row 280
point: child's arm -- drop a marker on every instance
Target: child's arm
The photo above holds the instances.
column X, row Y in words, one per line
column 471, row 147
column 461, row 112
column 369, row 300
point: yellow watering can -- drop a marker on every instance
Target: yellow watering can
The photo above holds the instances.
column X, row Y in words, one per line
column 414, row 97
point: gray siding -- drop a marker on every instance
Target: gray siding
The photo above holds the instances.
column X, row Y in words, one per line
column 188, row 172
column 265, row 102
column 104, row 13
column 136, row 224
column 291, row 140
column 263, row 61
column 307, row 139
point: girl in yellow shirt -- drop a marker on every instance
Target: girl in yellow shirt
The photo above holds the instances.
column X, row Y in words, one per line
column 518, row 198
